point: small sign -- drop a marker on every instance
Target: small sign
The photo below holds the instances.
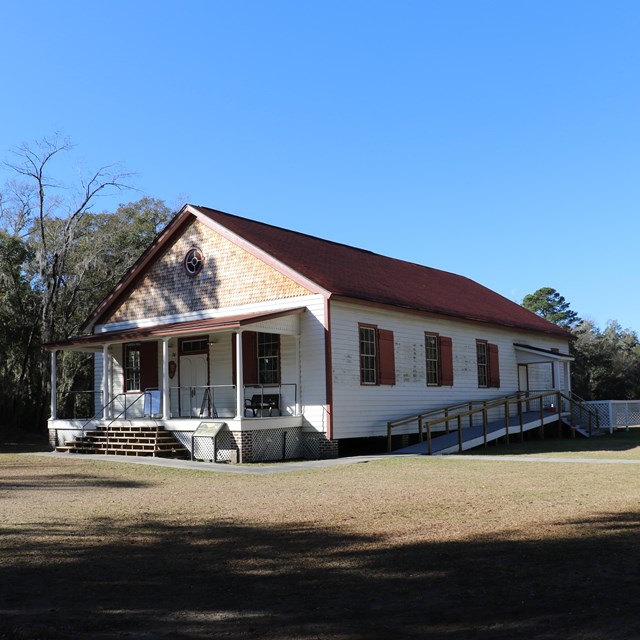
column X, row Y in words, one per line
column 209, row 429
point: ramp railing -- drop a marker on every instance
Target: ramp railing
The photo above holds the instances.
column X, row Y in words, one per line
column 483, row 412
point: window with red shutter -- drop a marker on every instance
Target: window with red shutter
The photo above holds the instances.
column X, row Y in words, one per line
column 439, row 360
column 377, row 355
column 260, row 358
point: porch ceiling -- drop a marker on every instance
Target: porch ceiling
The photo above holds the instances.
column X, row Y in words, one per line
column 542, row 355
column 94, row 342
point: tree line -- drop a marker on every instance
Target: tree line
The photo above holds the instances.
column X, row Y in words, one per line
column 59, row 257
column 607, row 361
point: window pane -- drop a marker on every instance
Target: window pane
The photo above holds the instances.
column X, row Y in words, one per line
column 194, row 346
column 268, row 358
column 132, row 367
column 368, row 365
column 432, row 359
column 481, row 352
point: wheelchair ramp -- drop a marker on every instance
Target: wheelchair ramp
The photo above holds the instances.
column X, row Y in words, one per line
column 472, row 437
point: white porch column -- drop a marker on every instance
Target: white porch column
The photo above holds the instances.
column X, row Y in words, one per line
column 299, row 376
column 239, row 377
column 54, row 386
column 166, row 406
column 556, row 375
column 105, row 381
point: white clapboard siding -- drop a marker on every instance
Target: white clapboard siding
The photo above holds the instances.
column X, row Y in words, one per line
column 313, row 391
column 361, row 411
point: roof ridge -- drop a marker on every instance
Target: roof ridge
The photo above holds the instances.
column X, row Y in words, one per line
column 325, row 240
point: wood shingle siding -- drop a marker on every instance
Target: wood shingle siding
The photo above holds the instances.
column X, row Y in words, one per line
column 230, row 277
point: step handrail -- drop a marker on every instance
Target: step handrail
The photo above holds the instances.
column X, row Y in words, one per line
column 518, row 398
column 124, row 411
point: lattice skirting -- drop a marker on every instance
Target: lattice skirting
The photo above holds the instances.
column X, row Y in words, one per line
column 264, row 445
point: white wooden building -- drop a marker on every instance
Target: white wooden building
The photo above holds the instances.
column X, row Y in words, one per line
column 292, row 344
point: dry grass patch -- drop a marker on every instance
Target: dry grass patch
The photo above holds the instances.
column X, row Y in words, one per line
column 620, row 445
column 428, row 548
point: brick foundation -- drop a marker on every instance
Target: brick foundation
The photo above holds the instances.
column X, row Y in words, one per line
column 244, row 440
column 328, row 449
column 318, row 447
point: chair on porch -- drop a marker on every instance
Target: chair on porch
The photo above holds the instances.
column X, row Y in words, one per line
column 263, row 403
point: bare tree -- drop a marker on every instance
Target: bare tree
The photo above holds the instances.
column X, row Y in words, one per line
column 51, row 214
column 49, row 223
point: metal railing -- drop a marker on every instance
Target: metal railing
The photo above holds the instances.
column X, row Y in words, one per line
column 438, row 420
column 126, row 406
column 213, row 401
column 202, row 401
column 262, row 399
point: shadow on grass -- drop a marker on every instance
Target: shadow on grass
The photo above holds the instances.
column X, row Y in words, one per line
column 223, row 580
column 66, row 482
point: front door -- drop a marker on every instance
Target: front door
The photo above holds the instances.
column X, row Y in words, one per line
column 193, row 384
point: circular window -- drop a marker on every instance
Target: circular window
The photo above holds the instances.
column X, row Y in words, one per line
column 193, row 261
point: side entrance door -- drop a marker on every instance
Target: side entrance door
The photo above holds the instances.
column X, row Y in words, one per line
column 523, row 378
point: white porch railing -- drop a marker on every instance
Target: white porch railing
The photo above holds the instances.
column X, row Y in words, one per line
column 616, row 414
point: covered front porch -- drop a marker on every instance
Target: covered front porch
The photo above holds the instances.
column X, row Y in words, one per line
column 242, row 370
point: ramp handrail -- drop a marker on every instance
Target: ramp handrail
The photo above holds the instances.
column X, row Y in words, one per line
column 429, row 419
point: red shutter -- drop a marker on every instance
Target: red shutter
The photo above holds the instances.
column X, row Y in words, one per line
column 445, row 346
column 249, row 357
column 148, row 365
column 494, row 366
column 386, row 360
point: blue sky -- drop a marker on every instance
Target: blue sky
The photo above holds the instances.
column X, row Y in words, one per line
column 495, row 139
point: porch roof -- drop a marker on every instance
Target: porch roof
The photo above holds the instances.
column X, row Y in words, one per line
column 210, row 325
column 544, row 355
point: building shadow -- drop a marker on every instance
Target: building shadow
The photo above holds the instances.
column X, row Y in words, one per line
column 227, row 580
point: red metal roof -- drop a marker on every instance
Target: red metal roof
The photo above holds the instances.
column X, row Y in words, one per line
column 358, row 274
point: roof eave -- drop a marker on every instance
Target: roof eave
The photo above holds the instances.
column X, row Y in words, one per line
column 552, row 330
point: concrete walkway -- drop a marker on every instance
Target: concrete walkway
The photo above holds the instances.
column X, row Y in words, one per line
column 255, row 469
column 263, row 469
